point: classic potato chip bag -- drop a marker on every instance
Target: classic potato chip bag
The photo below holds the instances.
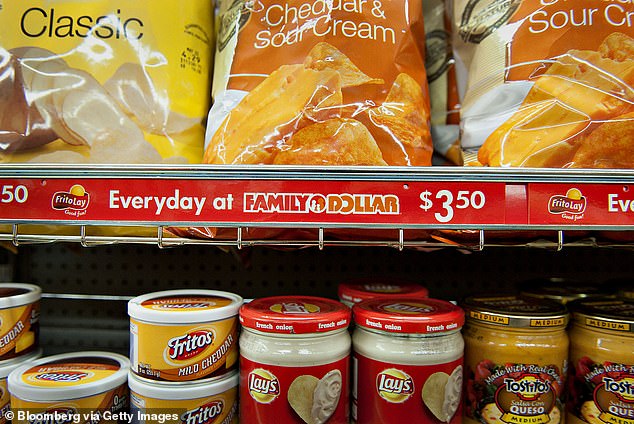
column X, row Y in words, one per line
column 548, row 81
column 100, row 81
column 320, row 82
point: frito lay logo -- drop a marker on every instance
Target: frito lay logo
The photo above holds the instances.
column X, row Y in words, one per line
column 529, row 387
column 62, row 377
column 189, row 345
column 408, row 308
column 75, row 199
column 264, row 387
column 292, row 308
column 571, row 206
column 303, row 203
column 395, row 386
column 623, row 388
column 204, row 414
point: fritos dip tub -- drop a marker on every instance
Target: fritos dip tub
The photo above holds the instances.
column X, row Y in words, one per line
column 19, row 319
column 190, row 403
column 352, row 292
column 184, row 335
column 294, row 359
column 5, row 370
column 75, row 385
column 601, row 361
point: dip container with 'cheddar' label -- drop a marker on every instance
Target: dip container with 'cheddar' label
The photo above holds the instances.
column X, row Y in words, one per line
column 5, row 370
column 189, row 403
column 91, row 386
column 294, row 359
column 356, row 291
column 601, row 361
column 19, row 319
column 407, row 363
column 516, row 357
column 184, row 335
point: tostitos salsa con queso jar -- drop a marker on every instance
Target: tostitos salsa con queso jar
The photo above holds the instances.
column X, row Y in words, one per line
column 516, row 351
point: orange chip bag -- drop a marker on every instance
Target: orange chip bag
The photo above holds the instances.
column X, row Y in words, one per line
column 350, row 60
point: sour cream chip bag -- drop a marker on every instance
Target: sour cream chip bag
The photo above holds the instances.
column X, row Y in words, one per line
column 352, row 69
column 100, row 81
column 545, row 76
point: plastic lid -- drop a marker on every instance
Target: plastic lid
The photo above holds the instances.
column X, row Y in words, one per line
column 359, row 290
column 561, row 290
column 295, row 315
column 18, row 294
column 184, row 306
column 10, row 365
column 407, row 315
column 181, row 391
column 604, row 313
column 69, row 376
column 516, row 311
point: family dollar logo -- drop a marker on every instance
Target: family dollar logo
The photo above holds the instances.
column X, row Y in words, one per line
column 571, row 206
column 73, row 202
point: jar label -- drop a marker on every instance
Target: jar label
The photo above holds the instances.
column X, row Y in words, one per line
column 514, row 393
column 602, row 392
column 384, row 392
column 270, row 393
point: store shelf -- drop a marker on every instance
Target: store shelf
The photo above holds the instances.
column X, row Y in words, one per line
column 397, row 207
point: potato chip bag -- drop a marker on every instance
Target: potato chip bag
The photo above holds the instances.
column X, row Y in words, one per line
column 545, row 81
column 99, row 81
column 320, row 82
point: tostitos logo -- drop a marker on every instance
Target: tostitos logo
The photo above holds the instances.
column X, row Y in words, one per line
column 395, row 386
column 74, row 201
column 295, row 308
column 528, row 388
column 571, row 206
column 623, row 388
column 413, row 308
column 263, row 385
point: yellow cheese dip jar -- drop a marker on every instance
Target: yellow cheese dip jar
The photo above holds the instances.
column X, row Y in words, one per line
column 601, row 362
column 516, row 351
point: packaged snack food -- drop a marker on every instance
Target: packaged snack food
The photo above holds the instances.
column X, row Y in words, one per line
column 407, row 363
column 184, row 335
column 320, row 83
column 550, row 82
column 19, row 319
column 356, row 291
column 516, row 357
column 294, row 360
column 601, row 369
column 104, row 82
column 81, row 387
column 191, row 403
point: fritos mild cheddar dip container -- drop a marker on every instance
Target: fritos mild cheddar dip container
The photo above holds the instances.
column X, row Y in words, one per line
column 358, row 290
column 294, row 359
column 407, row 361
column 82, row 384
column 5, row 370
column 601, row 372
column 190, row 403
column 19, row 319
column 184, row 335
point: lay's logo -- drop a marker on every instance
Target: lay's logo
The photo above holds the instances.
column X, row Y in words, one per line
column 395, row 386
column 408, row 308
column 264, row 387
column 187, row 346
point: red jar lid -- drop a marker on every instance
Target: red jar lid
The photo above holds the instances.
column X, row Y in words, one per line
column 407, row 315
column 295, row 315
column 359, row 290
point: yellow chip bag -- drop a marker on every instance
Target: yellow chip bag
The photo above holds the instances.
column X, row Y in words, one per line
column 99, row 81
column 347, row 57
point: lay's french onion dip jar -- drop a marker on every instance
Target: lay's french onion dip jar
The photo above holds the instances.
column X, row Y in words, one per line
column 5, row 370
column 185, row 403
column 184, row 335
column 19, row 319
column 88, row 387
column 294, row 360
column 407, row 362
column 356, row 291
